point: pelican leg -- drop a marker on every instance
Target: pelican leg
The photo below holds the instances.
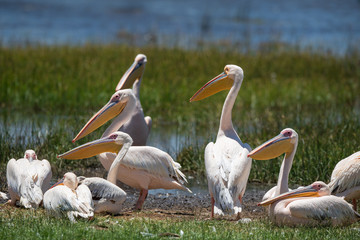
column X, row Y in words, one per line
column 354, row 205
column 238, row 216
column 142, row 197
column 212, row 207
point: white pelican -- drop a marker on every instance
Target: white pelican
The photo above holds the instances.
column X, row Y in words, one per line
column 226, row 161
column 138, row 126
column 345, row 178
column 21, row 179
column 107, row 197
column 141, row 167
column 304, row 206
column 42, row 169
column 66, row 197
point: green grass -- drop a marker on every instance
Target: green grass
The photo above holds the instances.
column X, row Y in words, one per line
column 18, row 223
column 316, row 94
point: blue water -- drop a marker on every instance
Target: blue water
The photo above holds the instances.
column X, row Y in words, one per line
column 321, row 24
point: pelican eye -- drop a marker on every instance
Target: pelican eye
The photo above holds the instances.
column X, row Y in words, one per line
column 113, row 136
column 287, row 134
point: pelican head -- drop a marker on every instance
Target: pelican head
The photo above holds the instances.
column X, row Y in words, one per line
column 134, row 73
column 70, row 180
column 121, row 102
column 224, row 81
column 30, row 155
column 317, row 189
column 112, row 143
column 285, row 142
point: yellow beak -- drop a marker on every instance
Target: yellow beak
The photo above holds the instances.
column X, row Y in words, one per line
column 109, row 111
column 215, row 85
column 92, row 148
column 272, row 148
column 135, row 72
column 308, row 191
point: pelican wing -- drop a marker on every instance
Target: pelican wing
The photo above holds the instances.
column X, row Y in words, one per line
column 62, row 199
column 217, row 186
column 44, row 174
column 346, row 174
column 154, row 161
column 85, row 197
column 326, row 210
column 239, row 174
column 13, row 172
column 101, row 188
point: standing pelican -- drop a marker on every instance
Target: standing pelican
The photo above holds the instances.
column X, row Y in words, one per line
column 138, row 126
column 66, row 197
column 226, row 161
column 21, row 178
column 345, row 178
column 107, row 197
column 141, row 167
column 304, row 206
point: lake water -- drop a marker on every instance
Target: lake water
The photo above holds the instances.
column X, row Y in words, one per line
column 322, row 24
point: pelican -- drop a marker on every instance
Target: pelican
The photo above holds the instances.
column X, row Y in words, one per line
column 24, row 182
column 345, row 178
column 141, row 167
column 226, row 161
column 42, row 169
column 66, row 197
column 309, row 205
column 138, row 126
column 107, row 197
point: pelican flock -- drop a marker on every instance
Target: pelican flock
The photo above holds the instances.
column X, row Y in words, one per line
column 141, row 167
column 312, row 205
column 123, row 153
column 226, row 161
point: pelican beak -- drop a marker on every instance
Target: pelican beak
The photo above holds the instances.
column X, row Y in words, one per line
column 308, row 191
column 109, row 111
column 106, row 144
column 135, row 72
column 272, row 148
column 61, row 182
column 215, row 85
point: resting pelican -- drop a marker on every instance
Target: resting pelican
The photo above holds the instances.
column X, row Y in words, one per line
column 141, row 167
column 107, row 197
column 22, row 179
column 311, row 206
column 138, row 127
column 66, row 197
column 304, row 206
column 345, row 178
column 226, row 162
column 42, row 169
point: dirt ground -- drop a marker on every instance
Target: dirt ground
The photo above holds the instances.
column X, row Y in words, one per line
column 167, row 204
column 188, row 206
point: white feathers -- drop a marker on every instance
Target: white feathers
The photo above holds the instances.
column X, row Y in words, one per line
column 346, row 176
column 107, row 196
column 62, row 199
column 154, row 161
column 21, row 184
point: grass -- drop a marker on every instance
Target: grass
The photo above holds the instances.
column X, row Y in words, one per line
column 48, row 93
column 17, row 223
